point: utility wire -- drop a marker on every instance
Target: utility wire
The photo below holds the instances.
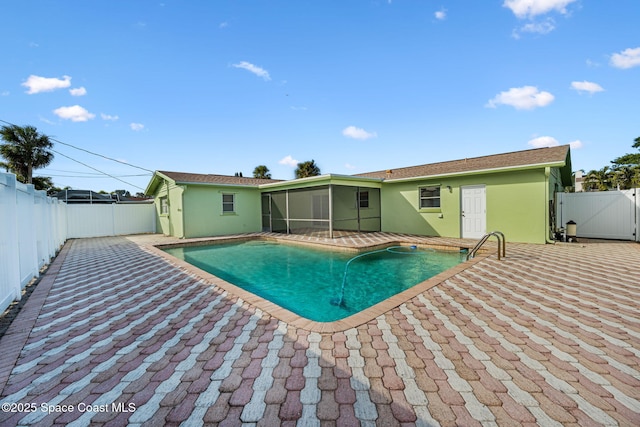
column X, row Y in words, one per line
column 97, row 170
column 94, row 175
column 100, row 155
column 87, row 151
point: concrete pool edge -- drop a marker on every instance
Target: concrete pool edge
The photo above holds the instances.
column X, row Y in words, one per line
column 296, row 320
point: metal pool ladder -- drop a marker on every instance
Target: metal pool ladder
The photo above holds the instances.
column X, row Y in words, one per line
column 501, row 244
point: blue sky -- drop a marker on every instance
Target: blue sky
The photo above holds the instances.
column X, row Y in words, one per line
column 223, row 86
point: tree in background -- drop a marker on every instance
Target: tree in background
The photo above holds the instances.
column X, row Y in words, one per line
column 629, row 159
column 626, row 169
column 261, row 172
column 622, row 175
column 306, row 169
column 598, row 180
column 24, row 150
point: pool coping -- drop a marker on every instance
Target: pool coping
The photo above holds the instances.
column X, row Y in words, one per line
column 296, row 320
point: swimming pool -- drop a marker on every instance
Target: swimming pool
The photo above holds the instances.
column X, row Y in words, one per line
column 318, row 284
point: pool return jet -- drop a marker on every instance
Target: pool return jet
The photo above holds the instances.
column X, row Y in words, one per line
column 339, row 300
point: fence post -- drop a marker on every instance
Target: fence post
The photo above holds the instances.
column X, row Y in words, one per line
column 637, row 199
column 9, row 257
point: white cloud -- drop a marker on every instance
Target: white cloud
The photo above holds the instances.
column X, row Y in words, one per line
column 358, row 133
column 544, row 141
column 136, row 126
column 592, row 64
column 223, row 25
column 532, row 8
column 74, row 113
column 81, row 91
column 586, row 86
column 628, row 58
column 522, row 98
column 108, row 117
column 5, row 93
column 47, row 121
column 349, row 166
column 575, row 144
column 258, row 71
column 37, row 84
column 289, row 161
column 441, row 14
column 544, row 27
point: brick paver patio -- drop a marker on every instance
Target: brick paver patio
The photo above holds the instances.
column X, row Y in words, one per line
column 116, row 335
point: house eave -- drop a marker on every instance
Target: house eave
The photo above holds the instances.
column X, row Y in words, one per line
column 155, row 181
column 215, row 184
column 319, row 180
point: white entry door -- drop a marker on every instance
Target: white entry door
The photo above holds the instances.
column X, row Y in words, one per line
column 474, row 211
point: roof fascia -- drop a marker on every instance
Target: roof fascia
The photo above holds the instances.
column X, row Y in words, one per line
column 215, row 184
column 155, row 181
column 314, row 181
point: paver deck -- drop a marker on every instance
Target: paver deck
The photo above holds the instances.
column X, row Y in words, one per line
column 116, row 335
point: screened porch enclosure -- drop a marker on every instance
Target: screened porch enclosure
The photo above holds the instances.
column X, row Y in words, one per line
column 324, row 211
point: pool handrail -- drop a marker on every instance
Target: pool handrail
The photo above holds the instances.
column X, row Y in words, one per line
column 501, row 245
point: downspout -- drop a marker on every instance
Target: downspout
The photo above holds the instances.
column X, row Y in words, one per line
column 168, row 208
column 547, row 173
column 184, row 225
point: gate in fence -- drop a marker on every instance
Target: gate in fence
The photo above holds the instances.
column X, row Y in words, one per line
column 601, row 214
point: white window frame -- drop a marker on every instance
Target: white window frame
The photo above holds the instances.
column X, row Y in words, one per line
column 228, row 203
column 164, row 205
column 363, row 203
column 431, row 201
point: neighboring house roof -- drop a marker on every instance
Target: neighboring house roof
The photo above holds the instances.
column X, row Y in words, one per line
column 89, row 196
column 552, row 156
column 84, row 196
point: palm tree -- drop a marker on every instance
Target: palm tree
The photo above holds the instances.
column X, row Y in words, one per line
column 308, row 168
column 261, row 172
column 598, row 180
column 622, row 176
column 25, row 150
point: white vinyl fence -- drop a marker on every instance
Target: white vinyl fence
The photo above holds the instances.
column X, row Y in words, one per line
column 84, row 220
column 602, row 214
column 33, row 227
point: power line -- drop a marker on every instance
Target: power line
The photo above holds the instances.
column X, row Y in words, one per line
column 100, row 155
column 87, row 151
column 94, row 175
column 97, row 170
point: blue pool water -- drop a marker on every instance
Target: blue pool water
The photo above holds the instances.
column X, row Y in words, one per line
column 312, row 282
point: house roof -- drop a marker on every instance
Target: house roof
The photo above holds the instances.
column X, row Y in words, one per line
column 84, row 196
column 539, row 157
column 197, row 178
column 205, row 179
column 557, row 156
column 89, row 196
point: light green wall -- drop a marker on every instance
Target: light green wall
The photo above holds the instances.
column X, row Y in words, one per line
column 515, row 202
column 203, row 211
column 171, row 224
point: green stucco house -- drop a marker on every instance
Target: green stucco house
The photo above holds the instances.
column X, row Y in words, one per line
column 510, row 192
